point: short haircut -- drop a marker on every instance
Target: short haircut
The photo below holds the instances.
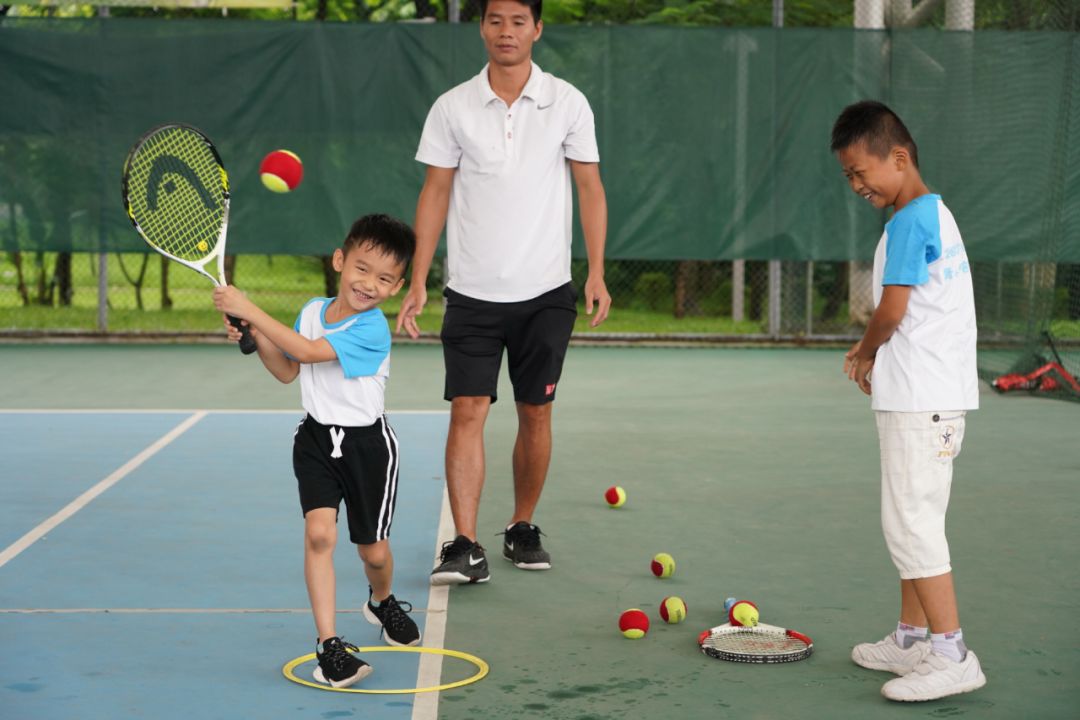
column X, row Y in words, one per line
column 536, row 6
column 875, row 124
column 386, row 234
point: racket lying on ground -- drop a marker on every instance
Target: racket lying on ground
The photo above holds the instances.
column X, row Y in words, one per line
column 758, row 644
column 176, row 193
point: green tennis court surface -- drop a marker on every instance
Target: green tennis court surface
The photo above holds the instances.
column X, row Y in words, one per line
column 756, row 469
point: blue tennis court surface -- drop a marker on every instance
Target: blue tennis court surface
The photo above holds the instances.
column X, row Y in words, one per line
column 178, row 592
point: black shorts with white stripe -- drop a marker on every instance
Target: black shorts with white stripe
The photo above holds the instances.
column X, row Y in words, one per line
column 356, row 464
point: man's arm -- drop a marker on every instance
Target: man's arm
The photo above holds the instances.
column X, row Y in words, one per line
column 431, row 208
column 593, row 209
column 859, row 360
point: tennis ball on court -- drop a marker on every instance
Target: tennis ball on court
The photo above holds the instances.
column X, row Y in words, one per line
column 202, row 246
column 615, row 496
column 673, row 609
column 663, row 565
column 743, row 613
column 281, row 171
column 634, row 624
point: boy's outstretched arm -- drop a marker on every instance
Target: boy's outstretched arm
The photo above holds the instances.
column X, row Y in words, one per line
column 859, row 360
column 280, row 365
column 231, row 301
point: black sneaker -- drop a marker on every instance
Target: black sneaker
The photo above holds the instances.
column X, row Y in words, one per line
column 337, row 666
column 521, row 546
column 397, row 627
column 461, row 561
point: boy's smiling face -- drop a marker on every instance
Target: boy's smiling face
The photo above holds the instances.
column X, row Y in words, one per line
column 876, row 179
column 368, row 276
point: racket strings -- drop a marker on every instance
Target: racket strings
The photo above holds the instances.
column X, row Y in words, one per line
column 176, row 193
column 754, row 643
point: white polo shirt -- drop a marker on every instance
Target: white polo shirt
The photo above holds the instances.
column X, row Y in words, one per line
column 509, row 225
column 929, row 362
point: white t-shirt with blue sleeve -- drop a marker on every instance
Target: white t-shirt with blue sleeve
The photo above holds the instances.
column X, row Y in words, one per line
column 929, row 362
column 349, row 391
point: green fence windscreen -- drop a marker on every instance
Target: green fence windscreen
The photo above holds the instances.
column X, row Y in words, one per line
column 714, row 141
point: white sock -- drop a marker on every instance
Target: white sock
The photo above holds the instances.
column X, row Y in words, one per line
column 950, row 645
column 908, row 635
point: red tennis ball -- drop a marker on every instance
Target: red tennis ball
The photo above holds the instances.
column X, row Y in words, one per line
column 634, row 624
column 281, row 171
column 615, row 496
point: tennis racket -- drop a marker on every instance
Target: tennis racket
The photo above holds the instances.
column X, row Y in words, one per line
column 758, row 644
column 176, row 193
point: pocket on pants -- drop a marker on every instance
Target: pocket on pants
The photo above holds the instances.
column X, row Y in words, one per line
column 948, row 431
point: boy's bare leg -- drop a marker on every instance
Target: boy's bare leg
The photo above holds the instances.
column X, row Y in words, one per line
column 320, row 536
column 465, row 460
column 938, row 599
column 379, row 568
column 911, row 610
column 532, row 456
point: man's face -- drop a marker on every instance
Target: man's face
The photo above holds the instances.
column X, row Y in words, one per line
column 876, row 179
column 509, row 32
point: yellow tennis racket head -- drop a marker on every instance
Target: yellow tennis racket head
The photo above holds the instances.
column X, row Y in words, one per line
column 176, row 191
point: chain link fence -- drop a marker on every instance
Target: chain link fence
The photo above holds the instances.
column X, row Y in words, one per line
column 63, row 293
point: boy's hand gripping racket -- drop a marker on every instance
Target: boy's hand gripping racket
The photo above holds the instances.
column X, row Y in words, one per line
column 176, row 193
column 758, row 644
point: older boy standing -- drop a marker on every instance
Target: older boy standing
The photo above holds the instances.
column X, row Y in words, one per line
column 920, row 345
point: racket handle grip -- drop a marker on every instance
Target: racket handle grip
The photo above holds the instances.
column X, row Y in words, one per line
column 247, row 343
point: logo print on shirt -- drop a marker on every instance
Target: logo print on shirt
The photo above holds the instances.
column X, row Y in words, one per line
column 550, row 389
column 336, row 435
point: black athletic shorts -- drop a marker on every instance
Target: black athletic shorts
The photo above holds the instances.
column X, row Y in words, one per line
column 356, row 464
column 535, row 334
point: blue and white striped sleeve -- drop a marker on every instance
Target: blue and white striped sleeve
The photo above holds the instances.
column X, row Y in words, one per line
column 363, row 346
column 913, row 241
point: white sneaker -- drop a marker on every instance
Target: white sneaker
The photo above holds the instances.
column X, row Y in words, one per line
column 936, row 677
column 887, row 655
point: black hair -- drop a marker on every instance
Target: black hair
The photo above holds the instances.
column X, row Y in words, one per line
column 875, row 124
column 536, row 6
column 386, row 234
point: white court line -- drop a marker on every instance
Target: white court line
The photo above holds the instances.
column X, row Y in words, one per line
column 83, row 500
column 426, row 705
column 184, row 411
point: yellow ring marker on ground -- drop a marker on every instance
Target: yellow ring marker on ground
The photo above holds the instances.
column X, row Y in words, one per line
column 481, row 671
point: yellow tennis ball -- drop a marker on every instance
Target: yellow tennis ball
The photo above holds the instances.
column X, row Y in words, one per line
column 744, row 613
column 663, row 565
column 203, row 247
column 673, row 609
column 615, row 496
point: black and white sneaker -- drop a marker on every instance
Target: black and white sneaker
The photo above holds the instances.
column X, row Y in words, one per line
column 521, row 546
column 337, row 666
column 397, row 627
column 461, row 561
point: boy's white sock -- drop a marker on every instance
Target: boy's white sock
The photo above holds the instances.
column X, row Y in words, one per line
column 950, row 645
column 908, row 635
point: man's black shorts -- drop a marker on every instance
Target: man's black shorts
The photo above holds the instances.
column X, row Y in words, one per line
column 356, row 464
column 534, row 332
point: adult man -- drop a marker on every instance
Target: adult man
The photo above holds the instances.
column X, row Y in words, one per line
column 501, row 149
